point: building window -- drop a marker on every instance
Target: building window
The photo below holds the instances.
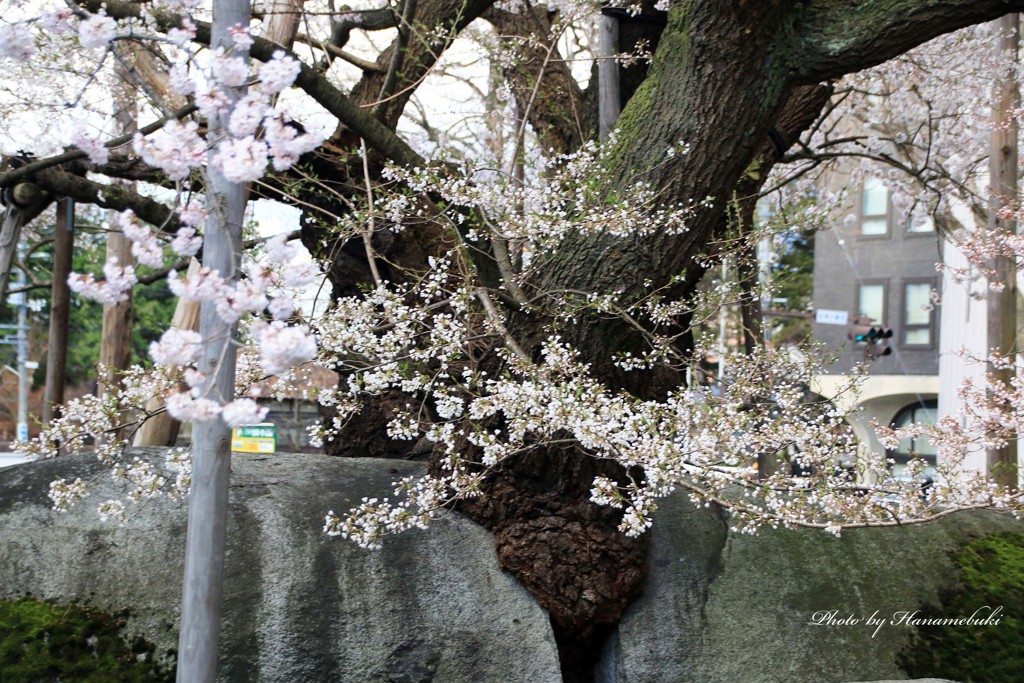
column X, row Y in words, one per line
column 874, row 208
column 920, row 224
column 871, row 302
column 917, row 314
column 923, row 413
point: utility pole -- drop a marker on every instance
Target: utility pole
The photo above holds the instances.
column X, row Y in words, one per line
column 1002, row 305
column 607, row 74
column 203, row 585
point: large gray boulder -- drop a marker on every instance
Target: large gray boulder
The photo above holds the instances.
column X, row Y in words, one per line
column 299, row 607
column 779, row 607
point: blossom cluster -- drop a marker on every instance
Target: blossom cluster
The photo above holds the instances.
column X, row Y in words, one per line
column 243, row 154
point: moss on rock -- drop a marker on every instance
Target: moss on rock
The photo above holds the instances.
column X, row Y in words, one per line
column 42, row 641
column 991, row 578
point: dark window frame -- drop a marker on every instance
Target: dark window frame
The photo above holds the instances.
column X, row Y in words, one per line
column 904, row 327
column 887, row 215
column 873, row 282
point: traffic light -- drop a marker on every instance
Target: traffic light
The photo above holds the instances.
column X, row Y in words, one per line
column 874, row 338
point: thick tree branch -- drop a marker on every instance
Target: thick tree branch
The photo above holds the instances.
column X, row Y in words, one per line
column 61, row 184
column 839, row 37
column 557, row 112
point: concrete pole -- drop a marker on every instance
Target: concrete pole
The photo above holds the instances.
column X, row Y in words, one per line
column 211, row 456
column 609, row 103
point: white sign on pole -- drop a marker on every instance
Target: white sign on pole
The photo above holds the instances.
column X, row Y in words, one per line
column 22, row 431
column 827, row 316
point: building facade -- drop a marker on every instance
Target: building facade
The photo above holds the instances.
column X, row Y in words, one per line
column 876, row 266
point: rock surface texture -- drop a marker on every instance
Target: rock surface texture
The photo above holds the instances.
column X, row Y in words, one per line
column 732, row 608
column 430, row 606
column 433, row 607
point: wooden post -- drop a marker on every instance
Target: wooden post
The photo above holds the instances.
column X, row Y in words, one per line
column 211, row 456
column 609, row 104
column 1002, row 306
column 115, row 342
column 60, row 308
column 116, row 339
column 162, row 429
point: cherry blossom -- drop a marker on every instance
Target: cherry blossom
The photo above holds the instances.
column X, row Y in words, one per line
column 112, row 289
column 176, row 150
column 16, row 43
column 176, row 347
column 243, row 411
column 282, row 346
column 241, row 160
column 183, row 406
column 247, row 115
column 278, row 73
column 186, row 242
column 228, row 70
column 97, row 31
column 97, row 151
column 57, row 22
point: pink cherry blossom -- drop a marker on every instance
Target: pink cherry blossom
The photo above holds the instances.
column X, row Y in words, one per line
column 241, row 37
column 187, row 242
column 204, row 285
column 235, row 300
column 16, row 42
column 243, row 411
column 282, row 347
column 278, row 73
column 247, row 115
column 182, row 406
column 57, row 21
column 97, row 31
column 176, row 347
column 241, row 160
column 92, row 146
column 228, row 70
column 193, row 213
column 176, row 150
column 180, row 80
